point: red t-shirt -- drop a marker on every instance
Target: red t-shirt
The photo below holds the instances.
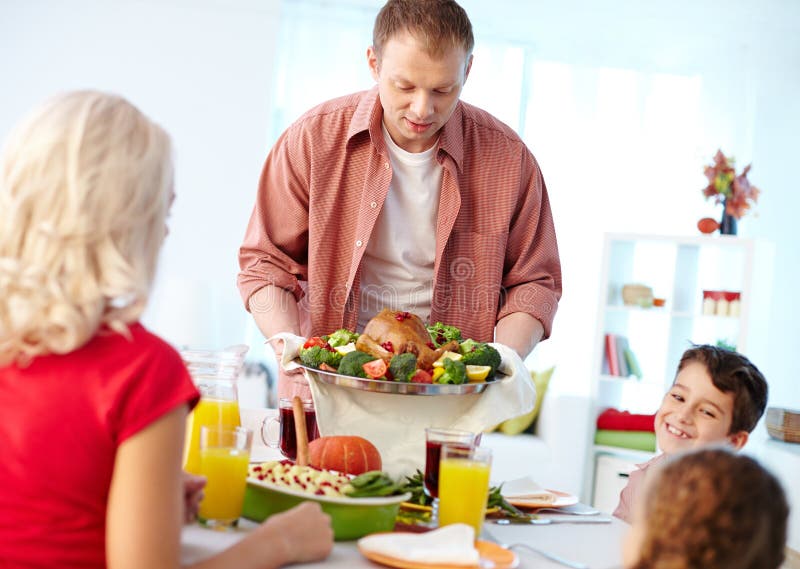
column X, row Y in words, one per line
column 62, row 419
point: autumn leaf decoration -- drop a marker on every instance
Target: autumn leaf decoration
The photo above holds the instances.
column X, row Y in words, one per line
column 726, row 187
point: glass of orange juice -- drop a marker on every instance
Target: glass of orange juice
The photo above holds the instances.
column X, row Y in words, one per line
column 464, row 485
column 209, row 412
column 224, row 458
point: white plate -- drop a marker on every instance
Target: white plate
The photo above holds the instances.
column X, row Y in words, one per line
column 562, row 500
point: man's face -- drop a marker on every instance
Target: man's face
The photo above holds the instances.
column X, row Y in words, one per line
column 694, row 413
column 418, row 92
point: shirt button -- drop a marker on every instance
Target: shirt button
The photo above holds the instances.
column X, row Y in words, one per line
column 373, row 205
column 358, row 243
column 386, row 165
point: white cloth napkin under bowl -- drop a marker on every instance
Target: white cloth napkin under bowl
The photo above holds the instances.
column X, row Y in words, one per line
column 396, row 423
column 450, row 545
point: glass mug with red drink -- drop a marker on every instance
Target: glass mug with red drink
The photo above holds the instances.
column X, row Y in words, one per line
column 435, row 437
column 286, row 439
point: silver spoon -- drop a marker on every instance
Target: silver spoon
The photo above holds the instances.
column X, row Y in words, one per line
column 568, row 511
column 548, row 521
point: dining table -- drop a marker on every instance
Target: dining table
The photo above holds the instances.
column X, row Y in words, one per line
column 591, row 545
column 595, row 546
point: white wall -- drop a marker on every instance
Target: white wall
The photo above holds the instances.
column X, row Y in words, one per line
column 201, row 68
column 204, row 69
column 747, row 55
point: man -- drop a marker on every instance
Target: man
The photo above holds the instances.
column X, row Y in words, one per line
column 404, row 197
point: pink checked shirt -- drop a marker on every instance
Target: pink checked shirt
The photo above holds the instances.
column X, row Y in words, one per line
column 324, row 184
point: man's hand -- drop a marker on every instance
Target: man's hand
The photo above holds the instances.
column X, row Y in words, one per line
column 290, row 382
column 275, row 310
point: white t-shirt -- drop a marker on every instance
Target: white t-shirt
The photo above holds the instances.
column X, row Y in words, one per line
column 397, row 268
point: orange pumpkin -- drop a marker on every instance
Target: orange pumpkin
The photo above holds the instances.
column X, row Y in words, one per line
column 348, row 454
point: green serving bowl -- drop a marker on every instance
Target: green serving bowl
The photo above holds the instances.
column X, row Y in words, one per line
column 351, row 518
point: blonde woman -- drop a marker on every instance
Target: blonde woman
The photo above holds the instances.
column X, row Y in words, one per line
column 94, row 405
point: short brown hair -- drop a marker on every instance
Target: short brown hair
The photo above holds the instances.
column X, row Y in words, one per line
column 731, row 372
column 714, row 509
column 437, row 24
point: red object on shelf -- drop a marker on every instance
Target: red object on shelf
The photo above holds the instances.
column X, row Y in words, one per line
column 707, row 225
column 615, row 420
column 611, row 354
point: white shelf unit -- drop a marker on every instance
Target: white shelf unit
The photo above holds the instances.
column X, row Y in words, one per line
column 679, row 269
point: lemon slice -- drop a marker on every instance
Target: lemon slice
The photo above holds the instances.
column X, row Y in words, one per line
column 347, row 348
column 415, row 507
column 478, row 373
column 447, row 356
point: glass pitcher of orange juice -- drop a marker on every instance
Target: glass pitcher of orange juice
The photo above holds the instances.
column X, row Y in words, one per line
column 214, row 373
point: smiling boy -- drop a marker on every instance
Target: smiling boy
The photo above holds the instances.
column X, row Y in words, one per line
column 718, row 397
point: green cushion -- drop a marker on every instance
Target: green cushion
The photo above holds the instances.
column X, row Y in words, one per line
column 638, row 440
column 527, row 422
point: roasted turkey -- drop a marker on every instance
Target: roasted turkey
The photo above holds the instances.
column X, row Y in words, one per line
column 393, row 332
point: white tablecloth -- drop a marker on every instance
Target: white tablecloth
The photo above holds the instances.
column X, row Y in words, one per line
column 596, row 545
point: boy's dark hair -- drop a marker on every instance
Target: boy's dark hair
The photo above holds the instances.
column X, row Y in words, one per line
column 715, row 509
column 731, row 372
column 437, row 24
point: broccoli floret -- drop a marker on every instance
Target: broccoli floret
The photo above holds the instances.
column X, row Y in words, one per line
column 352, row 361
column 480, row 354
column 403, row 366
column 454, row 372
column 341, row 337
column 315, row 356
column 442, row 333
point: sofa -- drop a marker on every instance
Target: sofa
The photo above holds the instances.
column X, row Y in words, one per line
column 554, row 456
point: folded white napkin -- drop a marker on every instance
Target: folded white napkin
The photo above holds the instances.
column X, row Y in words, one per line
column 526, row 489
column 450, row 545
column 396, row 423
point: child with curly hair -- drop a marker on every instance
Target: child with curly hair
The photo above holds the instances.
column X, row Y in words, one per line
column 717, row 397
column 708, row 509
column 93, row 404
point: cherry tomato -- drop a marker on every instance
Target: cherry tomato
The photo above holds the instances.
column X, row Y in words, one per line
column 315, row 341
column 375, row 369
column 421, row 376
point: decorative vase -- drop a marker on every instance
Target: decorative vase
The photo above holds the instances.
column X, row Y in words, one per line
column 727, row 225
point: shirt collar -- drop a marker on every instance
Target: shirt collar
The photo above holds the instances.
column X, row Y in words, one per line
column 369, row 113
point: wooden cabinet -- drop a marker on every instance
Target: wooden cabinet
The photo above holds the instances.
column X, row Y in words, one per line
column 678, row 269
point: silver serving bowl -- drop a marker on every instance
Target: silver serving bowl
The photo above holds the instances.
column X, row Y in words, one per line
column 400, row 387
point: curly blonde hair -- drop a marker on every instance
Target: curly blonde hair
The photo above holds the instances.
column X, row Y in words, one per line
column 85, row 187
column 713, row 509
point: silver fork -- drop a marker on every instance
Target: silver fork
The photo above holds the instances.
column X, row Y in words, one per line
column 571, row 511
column 546, row 554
